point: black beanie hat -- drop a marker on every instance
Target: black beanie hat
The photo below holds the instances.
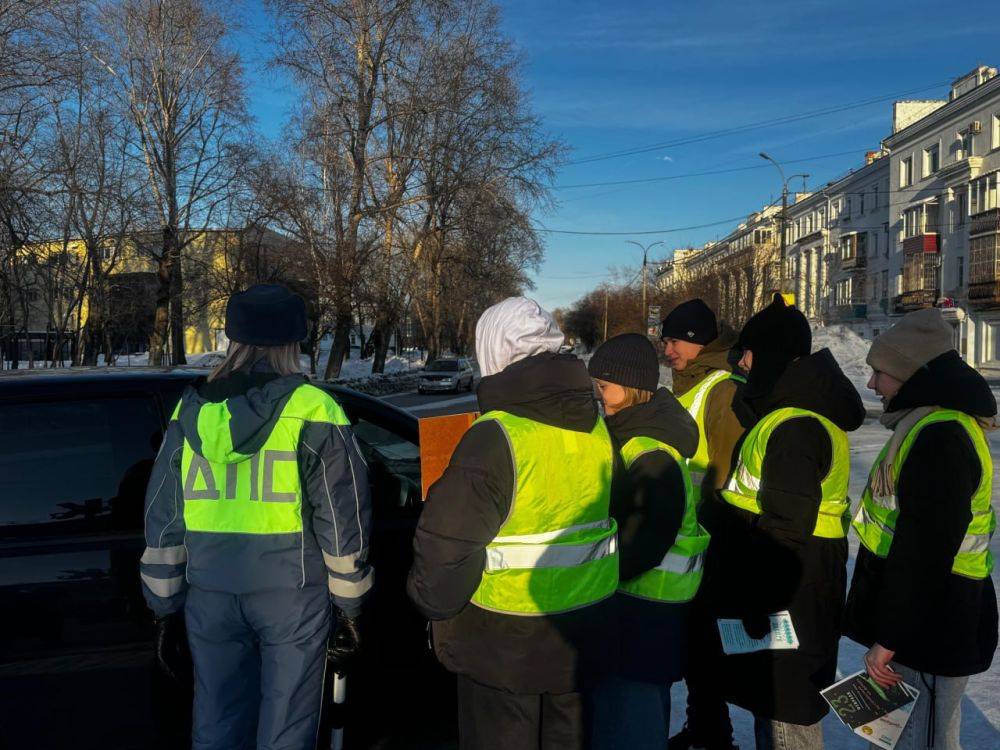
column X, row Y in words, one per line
column 691, row 321
column 629, row 360
column 266, row 315
column 777, row 336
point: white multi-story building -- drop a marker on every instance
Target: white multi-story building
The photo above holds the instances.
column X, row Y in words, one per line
column 733, row 275
column 917, row 226
column 838, row 249
column 945, row 215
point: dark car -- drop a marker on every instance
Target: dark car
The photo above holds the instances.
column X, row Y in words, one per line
column 76, row 659
column 446, row 375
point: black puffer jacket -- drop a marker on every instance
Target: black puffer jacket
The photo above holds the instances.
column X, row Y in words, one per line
column 910, row 602
column 771, row 562
column 653, row 634
column 464, row 511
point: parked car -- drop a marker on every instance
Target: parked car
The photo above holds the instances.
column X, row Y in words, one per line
column 76, row 659
column 446, row 375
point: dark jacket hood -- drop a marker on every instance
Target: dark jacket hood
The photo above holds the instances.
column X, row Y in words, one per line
column 816, row 383
column 947, row 381
column 717, row 355
column 662, row 418
column 232, row 430
column 554, row 389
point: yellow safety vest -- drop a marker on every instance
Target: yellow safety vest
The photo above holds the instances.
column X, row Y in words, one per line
column 741, row 492
column 875, row 521
column 557, row 550
column 678, row 576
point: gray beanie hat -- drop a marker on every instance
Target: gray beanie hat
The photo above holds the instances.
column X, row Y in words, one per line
column 914, row 341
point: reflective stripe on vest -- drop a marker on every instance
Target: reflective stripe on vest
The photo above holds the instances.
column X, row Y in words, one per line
column 875, row 521
column 678, row 576
column 695, row 400
column 258, row 493
column 744, row 484
column 557, row 550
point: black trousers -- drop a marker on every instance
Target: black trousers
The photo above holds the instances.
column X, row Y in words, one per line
column 490, row 719
column 707, row 712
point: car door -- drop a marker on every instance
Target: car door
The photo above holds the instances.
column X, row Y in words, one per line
column 400, row 695
column 73, row 474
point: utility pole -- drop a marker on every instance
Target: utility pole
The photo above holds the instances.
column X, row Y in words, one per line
column 784, row 213
column 645, row 254
column 605, row 313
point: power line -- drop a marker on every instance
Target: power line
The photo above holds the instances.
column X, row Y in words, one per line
column 540, row 228
column 753, row 126
column 699, row 174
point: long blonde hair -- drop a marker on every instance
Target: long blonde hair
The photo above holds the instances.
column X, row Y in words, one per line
column 283, row 359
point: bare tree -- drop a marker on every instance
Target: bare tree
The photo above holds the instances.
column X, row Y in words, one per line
column 182, row 88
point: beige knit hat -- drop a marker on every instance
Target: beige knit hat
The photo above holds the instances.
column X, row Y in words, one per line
column 914, row 341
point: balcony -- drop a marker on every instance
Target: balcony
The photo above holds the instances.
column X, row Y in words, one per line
column 927, row 243
column 984, row 295
column 985, row 222
column 854, row 263
column 916, row 299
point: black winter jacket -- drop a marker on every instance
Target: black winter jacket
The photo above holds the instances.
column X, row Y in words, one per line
column 759, row 564
column 653, row 634
column 910, row 602
column 464, row 511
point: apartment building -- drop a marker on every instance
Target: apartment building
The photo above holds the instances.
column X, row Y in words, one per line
column 945, row 215
column 838, row 249
column 734, row 274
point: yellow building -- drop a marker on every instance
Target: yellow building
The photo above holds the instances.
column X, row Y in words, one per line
column 55, row 294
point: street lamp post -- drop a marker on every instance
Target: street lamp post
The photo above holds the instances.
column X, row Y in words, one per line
column 784, row 207
column 645, row 255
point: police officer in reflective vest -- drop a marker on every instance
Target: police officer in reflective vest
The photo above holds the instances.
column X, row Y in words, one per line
column 922, row 598
column 258, row 524
column 661, row 544
column 779, row 527
column 699, row 352
column 515, row 555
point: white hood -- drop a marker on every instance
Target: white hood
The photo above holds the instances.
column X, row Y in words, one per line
column 513, row 330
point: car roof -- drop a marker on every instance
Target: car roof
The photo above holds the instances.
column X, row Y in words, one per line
column 49, row 381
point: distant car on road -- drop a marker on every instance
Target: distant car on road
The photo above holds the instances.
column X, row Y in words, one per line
column 76, row 637
column 446, row 375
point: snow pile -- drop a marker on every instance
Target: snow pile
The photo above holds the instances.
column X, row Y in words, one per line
column 850, row 350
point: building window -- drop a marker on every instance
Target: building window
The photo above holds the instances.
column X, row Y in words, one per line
column 906, row 172
column 965, row 145
column 960, row 262
column 983, row 194
column 861, row 207
column 932, row 160
column 875, row 197
column 995, row 139
column 874, row 286
column 875, row 333
column 847, row 209
column 885, row 233
column 959, row 212
column 885, row 284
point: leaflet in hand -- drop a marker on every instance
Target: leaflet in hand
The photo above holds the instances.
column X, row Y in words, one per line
column 736, row 640
column 873, row 712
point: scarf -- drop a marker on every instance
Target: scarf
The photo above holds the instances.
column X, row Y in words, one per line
column 901, row 422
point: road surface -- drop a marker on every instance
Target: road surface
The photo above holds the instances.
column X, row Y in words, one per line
column 434, row 404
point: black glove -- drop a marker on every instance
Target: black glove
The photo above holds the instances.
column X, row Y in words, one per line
column 757, row 626
column 172, row 654
column 344, row 647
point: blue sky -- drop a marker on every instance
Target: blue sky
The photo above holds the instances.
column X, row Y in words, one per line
column 609, row 76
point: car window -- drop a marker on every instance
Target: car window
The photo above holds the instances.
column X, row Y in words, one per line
column 393, row 462
column 78, row 466
column 444, row 365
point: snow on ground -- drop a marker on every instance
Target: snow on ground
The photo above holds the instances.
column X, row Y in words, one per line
column 352, row 368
